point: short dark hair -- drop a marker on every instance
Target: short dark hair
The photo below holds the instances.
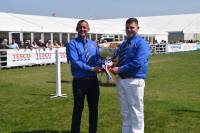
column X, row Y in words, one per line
column 132, row 20
column 81, row 21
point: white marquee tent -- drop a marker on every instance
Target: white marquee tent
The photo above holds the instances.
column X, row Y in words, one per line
column 153, row 25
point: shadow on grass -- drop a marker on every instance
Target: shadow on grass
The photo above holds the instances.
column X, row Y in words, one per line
column 42, row 131
column 184, row 111
column 62, row 81
column 42, row 94
column 106, row 84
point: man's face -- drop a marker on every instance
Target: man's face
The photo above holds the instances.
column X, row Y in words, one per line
column 82, row 29
column 131, row 29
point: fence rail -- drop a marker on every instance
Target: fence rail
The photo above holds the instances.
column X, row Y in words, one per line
column 27, row 57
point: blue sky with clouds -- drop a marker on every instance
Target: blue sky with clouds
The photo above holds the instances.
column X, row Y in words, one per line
column 100, row 9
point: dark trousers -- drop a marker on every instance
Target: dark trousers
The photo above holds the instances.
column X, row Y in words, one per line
column 90, row 89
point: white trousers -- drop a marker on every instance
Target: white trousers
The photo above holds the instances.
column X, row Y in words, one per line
column 131, row 95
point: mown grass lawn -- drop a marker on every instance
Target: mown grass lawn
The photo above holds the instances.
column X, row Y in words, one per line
column 172, row 99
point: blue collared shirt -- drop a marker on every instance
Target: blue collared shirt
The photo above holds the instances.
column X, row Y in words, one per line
column 76, row 53
column 136, row 60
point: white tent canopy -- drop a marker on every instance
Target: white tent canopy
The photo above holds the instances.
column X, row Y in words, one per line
column 154, row 25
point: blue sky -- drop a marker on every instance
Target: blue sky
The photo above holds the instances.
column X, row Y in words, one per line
column 100, row 9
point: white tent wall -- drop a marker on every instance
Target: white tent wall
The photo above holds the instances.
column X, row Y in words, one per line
column 190, row 36
column 109, row 26
column 157, row 26
column 161, row 37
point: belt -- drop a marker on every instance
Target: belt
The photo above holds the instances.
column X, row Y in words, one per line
column 125, row 77
column 86, row 78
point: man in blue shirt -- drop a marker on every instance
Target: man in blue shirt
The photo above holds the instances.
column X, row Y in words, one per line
column 85, row 63
column 132, row 63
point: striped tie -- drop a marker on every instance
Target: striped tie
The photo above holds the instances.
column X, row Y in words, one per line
column 123, row 52
column 87, row 53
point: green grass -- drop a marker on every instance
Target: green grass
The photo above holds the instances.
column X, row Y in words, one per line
column 172, row 99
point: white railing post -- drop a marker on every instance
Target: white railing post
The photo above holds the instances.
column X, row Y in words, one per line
column 58, row 76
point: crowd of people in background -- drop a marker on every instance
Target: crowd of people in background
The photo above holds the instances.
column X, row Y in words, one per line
column 27, row 44
column 39, row 44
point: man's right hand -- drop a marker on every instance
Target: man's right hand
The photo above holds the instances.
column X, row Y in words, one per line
column 115, row 70
column 97, row 69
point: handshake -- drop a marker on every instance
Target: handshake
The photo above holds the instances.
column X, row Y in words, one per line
column 97, row 69
column 108, row 66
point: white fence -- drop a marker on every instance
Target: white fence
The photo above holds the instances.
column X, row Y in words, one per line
column 27, row 57
column 181, row 47
column 171, row 48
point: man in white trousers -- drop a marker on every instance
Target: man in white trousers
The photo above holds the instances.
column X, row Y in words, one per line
column 132, row 64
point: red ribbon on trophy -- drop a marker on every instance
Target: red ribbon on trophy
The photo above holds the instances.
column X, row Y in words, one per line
column 107, row 66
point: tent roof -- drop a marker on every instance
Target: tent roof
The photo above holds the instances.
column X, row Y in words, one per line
column 188, row 23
